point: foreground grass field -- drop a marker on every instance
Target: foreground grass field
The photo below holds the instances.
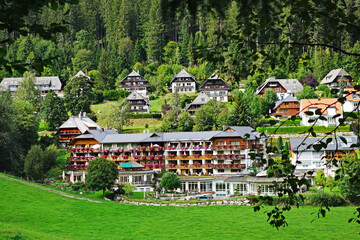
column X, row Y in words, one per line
column 32, row 213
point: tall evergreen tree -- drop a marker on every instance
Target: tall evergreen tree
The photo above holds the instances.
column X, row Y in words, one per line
column 27, row 90
column 154, row 32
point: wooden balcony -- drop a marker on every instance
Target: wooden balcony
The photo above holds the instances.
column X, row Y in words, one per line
column 82, row 150
column 220, row 147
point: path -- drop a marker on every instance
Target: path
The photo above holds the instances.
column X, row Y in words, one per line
column 47, row 189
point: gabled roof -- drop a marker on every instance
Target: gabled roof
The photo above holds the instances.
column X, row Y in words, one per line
column 333, row 74
column 134, row 74
column 82, row 74
column 289, row 98
column 301, row 144
column 291, row 85
column 239, row 131
column 53, row 82
column 134, row 95
column 80, row 122
column 183, row 74
column 214, row 78
column 98, row 134
column 321, row 104
column 201, row 99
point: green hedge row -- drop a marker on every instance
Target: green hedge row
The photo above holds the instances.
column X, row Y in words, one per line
column 145, row 115
column 300, row 129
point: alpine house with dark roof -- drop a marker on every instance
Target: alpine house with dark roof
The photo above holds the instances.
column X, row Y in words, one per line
column 138, row 103
column 134, row 81
column 282, row 87
column 215, row 88
column 333, row 78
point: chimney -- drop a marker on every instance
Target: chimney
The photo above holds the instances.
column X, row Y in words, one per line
column 80, row 115
column 84, row 114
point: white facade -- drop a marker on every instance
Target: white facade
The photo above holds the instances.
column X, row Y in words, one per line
column 350, row 106
column 140, row 109
column 219, row 95
column 330, row 120
column 183, row 87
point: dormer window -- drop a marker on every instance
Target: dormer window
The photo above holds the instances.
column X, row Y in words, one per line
column 202, row 99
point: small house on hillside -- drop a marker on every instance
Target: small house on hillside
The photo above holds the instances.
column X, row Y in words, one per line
column 333, row 78
column 82, row 74
column 43, row 84
column 283, row 109
column 183, row 82
column 200, row 100
column 138, row 103
column 135, row 82
column 352, row 100
column 282, row 87
column 215, row 88
column 328, row 107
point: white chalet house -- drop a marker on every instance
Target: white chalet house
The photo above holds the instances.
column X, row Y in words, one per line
column 352, row 100
column 333, row 78
column 216, row 88
column 328, row 107
column 303, row 152
column 183, row 82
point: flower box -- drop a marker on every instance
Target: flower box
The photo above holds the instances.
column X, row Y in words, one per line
column 162, row 165
column 160, row 148
column 151, row 148
column 150, row 166
column 184, row 155
column 151, row 157
column 159, row 157
column 197, row 155
column 114, row 156
column 142, row 148
column 103, row 156
column 124, row 156
column 171, row 155
column 136, row 156
column 156, row 165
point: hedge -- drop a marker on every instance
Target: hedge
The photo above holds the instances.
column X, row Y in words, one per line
column 300, row 129
column 145, row 115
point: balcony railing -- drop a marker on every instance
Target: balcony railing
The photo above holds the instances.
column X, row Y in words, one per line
column 242, row 146
column 82, row 150
column 81, row 158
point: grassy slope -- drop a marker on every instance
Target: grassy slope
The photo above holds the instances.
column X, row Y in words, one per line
column 37, row 214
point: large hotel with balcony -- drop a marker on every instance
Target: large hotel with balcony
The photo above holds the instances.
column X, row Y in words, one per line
column 212, row 161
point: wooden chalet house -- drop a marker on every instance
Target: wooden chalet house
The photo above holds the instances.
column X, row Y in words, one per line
column 282, row 87
column 138, row 103
column 183, row 82
column 200, row 100
column 328, row 107
column 73, row 127
column 135, row 82
column 333, row 78
column 215, row 88
column 288, row 107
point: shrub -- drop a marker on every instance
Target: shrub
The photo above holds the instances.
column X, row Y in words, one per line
column 114, row 95
column 300, row 129
column 77, row 186
column 325, row 199
column 145, row 115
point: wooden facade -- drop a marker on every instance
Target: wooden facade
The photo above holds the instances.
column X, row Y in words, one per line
column 286, row 109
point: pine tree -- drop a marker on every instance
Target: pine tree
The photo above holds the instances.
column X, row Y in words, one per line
column 104, row 80
column 53, row 110
column 154, row 32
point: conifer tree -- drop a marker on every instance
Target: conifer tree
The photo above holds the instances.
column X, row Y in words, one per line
column 154, row 32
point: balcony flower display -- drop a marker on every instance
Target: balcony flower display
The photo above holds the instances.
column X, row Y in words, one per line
column 156, row 165
column 196, row 148
column 136, row 156
column 208, row 164
column 209, row 155
column 160, row 148
column 81, row 157
column 171, row 148
column 103, row 155
column 236, row 165
column 142, row 148
column 184, row 148
column 171, row 155
column 196, row 164
column 162, row 165
column 124, row 156
column 150, row 166
column 151, row 157
column 159, row 157
column 184, row 155
column 197, row 155
column 151, row 148
column 223, row 156
column 143, row 157
column 171, row 165
column 114, row 156
column 229, row 155
column 182, row 164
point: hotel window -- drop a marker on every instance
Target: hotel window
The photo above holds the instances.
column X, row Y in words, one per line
column 267, row 188
column 193, row 186
column 235, row 143
column 137, row 179
column 123, row 179
column 220, row 143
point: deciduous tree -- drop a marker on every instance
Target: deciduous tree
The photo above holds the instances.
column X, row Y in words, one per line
column 170, row 181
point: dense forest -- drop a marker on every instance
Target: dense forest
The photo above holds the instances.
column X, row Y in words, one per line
column 109, row 38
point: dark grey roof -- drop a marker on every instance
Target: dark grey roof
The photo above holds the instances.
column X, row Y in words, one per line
column 82, row 123
column 98, row 134
column 333, row 74
column 289, row 98
column 306, row 144
column 291, row 85
column 201, row 99
column 134, row 95
column 214, row 77
column 82, row 74
column 239, row 131
column 183, row 74
column 54, row 83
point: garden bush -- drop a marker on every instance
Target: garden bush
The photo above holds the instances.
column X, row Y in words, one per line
column 76, row 186
column 325, row 199
column 300, row 129
column 114, row 95
column 145, row 115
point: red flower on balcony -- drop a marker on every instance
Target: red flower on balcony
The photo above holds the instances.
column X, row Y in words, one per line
column 124, row 156
column 151, row 157
column 142, row 148
column 162, row 165
column 159, row 157
column 114, row 156
column 151, row 148
column 156, row 165
column 103, row 156
column 136, row 156
column 150, row 166
column 160, row 148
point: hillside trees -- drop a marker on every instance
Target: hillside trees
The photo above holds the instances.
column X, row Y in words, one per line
column 211, row 116
column 116, row 115
column 27, row 90
column 53, row 110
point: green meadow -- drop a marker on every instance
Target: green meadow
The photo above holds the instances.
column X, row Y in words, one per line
column 27, row 212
